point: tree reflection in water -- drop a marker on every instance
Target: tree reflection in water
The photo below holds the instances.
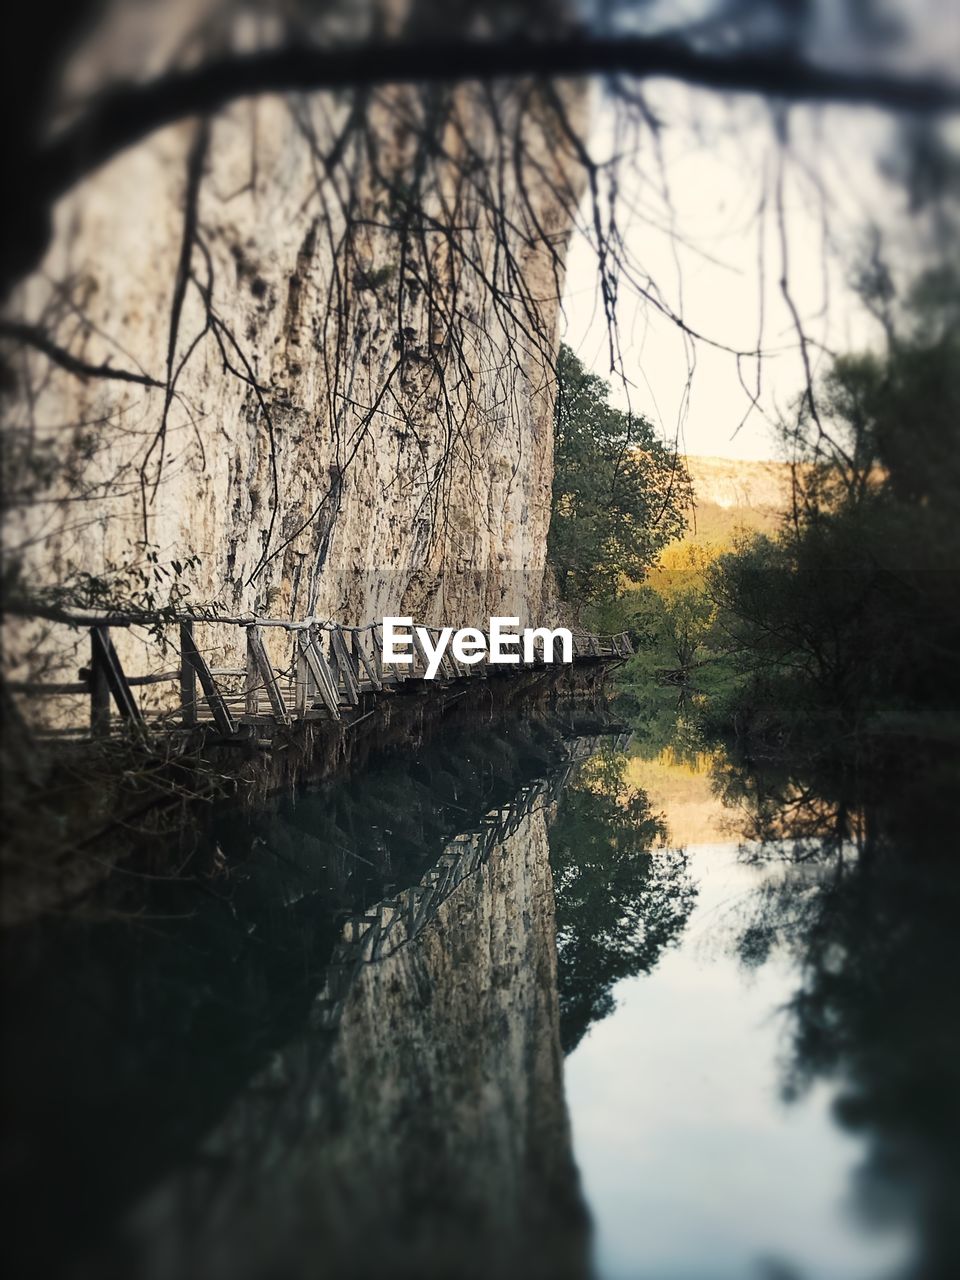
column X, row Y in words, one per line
column 621, row 895
column 871, row 918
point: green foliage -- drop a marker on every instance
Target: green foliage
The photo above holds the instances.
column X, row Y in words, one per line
column 621, row 897
column 680, row 659
column 845, row 625
column 139, row 583
column 619, row 494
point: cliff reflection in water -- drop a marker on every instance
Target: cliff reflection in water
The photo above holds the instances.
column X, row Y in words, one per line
column 336, row 1050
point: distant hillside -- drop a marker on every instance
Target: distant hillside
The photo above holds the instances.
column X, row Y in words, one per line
column 732, row 497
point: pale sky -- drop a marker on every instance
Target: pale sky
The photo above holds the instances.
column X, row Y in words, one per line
column 719, row 158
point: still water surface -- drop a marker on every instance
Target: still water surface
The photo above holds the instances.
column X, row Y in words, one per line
column 520, row 1004
column 694, row 1165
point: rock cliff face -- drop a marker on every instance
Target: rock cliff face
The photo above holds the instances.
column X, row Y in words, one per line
column 431, row 1140
column 731, row 482
column 732, row 496
column 348, row 304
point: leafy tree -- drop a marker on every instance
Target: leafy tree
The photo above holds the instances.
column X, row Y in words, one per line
column 846, row 624
column 680, row 657
column 619, row 493
column 845, row 735
column 681, row 613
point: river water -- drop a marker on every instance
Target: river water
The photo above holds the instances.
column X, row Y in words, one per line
column 521, row 1003
column 693, row 1162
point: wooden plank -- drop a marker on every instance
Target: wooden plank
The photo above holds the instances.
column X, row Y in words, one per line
column 157, row 677
column 37, row 690
column 188, row 680
column 345, row 666
column 268, row 677
column 67, row 731
column 221, row 715
column 105, row 656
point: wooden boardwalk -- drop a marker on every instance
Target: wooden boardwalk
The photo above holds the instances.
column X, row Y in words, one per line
column 294, row 672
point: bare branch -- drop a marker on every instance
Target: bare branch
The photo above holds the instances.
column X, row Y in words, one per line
column 130, row 113
column 33, row 336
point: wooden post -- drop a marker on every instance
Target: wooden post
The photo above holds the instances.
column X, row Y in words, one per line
column 304, row 678
column 331, row 657
column 456, row 668
column 268, row 677
column 106, row 664
column 251, row 704
column 345, row 664
column 363, row 661
column 99, row 689
column 322, row 675
column 188, row 678
column 377, row 640
column 221, row 712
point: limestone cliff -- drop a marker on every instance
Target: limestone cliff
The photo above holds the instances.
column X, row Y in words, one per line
column 735, row 482
column 338, row 312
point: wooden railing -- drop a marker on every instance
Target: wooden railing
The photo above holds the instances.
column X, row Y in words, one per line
column 325, row 672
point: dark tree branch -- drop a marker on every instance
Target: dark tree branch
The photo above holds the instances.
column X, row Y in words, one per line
column 127, row 114
column 31, row 336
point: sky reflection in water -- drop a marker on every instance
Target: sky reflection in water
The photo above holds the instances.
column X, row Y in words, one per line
column 693, row 1164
